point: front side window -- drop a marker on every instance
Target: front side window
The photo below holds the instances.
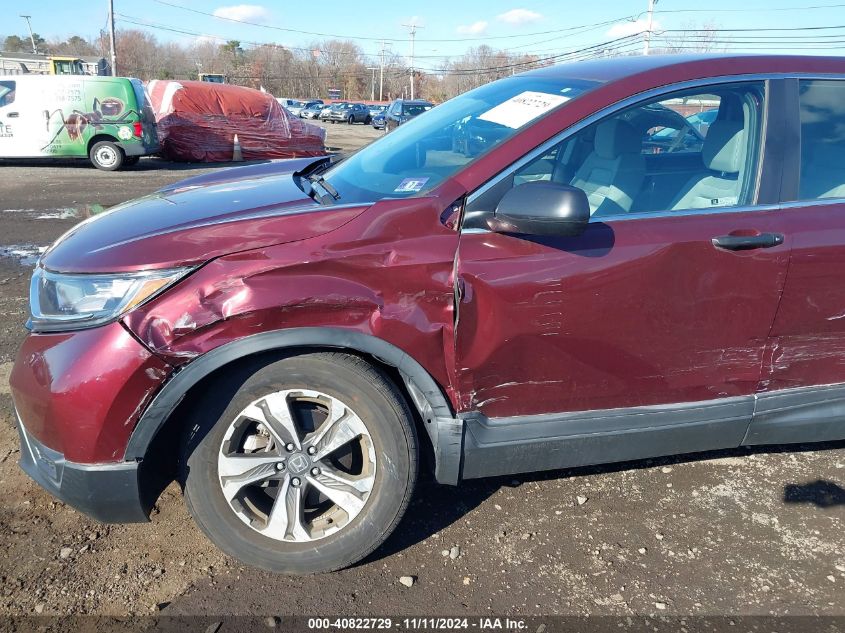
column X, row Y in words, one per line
column 7, row 93
column 657, row 156
column 420, row 154
column 822, row 104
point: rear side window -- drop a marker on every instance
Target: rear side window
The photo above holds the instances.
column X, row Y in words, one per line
column 7, row 93
column 822, row 105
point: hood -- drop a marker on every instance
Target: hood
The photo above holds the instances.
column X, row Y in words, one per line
column 197, row 219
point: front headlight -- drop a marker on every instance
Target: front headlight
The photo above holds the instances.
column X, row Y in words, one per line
column 73, row 301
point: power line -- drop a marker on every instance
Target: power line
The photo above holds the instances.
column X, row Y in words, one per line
column 757, row 10
column 757, row 29
column 378, row 39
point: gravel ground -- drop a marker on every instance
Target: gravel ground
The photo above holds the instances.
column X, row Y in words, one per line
column 729, row 533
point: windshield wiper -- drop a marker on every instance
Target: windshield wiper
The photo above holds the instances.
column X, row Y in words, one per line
column 319, row 180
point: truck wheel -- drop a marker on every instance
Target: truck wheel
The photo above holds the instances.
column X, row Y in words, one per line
column 107, row 156
column 304, row 467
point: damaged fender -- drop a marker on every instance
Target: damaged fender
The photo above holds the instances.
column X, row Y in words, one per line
column 381, row 284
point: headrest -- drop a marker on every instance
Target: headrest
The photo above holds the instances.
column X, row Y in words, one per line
column 616, row 137
column 724, row 147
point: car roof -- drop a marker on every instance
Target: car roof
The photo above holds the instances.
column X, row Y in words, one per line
column 697, row 65
column 414, row 101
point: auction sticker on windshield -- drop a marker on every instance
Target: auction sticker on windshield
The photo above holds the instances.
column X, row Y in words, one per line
column 409, row 185
column 524, row 107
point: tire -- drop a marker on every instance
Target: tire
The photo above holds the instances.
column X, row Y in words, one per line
column 368, row 120
column 131, row 160
column 384, row 447
column 350, row 120
column 107, row 156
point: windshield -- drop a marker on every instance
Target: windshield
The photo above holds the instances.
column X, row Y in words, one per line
column 414, row 110
column 420, row 154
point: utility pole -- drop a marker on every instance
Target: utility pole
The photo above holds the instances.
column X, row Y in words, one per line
column 111, row 39
column 649, row 26
column 413, row 30
column 31, row 36
column 381, row 74
column 373, row 83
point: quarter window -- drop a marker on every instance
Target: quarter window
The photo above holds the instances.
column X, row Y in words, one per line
column 686, row 150
column 822, row 105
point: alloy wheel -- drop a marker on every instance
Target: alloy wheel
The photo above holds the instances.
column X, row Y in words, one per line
column 297, row 465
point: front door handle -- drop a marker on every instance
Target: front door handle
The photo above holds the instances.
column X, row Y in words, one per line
column 747, row 242
column 12, row 115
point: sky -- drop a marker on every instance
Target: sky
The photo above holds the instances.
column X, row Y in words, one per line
column 447, row 28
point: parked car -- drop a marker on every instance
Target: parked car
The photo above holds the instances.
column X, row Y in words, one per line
column 295, row 107
column 378, row 121
column 330, row 108
column 201, row 121
column 403, row 110
column 349, row 112
column 376, row 109
column 313, row 111
column 304, row 105
column 288, row 338
column 107, row 120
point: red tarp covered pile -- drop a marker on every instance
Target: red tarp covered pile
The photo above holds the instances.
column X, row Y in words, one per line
column 198, row 121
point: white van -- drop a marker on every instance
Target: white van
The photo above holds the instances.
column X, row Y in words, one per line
column 106, row 119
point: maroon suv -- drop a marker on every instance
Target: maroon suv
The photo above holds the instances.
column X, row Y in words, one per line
column 556, row 269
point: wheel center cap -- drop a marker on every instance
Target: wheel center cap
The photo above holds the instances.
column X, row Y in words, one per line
column 298, row 463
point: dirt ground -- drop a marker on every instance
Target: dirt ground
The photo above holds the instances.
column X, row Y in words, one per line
column 728, row 533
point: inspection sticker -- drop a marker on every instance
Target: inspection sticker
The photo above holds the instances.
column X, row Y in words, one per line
column 410, row 184
column 524, row 107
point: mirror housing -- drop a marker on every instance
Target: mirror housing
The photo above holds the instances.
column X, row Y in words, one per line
column 542, row 208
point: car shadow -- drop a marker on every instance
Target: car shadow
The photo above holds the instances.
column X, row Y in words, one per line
column 435, row 507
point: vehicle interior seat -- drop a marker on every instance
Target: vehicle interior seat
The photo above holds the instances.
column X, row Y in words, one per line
column 613, row 173
column 724, row 156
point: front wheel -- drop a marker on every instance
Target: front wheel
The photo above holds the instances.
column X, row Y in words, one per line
column 307, row 468
column 107, row 156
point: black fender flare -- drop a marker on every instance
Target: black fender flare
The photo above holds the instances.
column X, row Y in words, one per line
column 443, row 428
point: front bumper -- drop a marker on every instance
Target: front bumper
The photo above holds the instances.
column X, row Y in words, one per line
column 106, row 492
column 80, row 393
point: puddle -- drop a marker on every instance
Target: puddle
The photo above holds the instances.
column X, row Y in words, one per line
column 63, row 213
column 26, row 254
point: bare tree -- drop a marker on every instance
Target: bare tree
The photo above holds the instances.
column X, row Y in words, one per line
column 694, row 38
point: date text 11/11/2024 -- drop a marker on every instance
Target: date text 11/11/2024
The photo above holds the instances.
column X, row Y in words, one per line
column 418, row 623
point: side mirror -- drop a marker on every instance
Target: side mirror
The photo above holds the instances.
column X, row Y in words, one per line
column 542, row 208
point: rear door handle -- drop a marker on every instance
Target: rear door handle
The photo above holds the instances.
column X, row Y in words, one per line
column 12, row 115
column 747, row 242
